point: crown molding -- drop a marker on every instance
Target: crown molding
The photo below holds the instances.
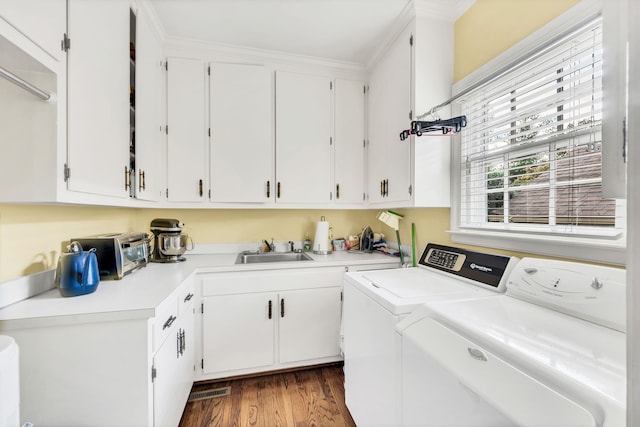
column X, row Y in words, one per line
column 448, row 11
column 177, row 46
column 405, row 17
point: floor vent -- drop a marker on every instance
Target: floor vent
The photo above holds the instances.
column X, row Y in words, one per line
column 209, row 394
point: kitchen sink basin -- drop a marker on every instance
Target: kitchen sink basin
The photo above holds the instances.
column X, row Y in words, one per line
column 251, row 257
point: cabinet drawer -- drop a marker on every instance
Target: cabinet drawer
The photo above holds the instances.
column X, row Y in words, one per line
column 166, row 317
column 186, row 297
column 271, row 280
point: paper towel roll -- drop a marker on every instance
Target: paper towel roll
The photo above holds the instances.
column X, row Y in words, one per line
column 321, row 242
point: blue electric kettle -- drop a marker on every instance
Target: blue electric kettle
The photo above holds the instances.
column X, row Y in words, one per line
column 77, row 272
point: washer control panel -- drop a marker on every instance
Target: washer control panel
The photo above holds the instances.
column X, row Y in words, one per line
column 482, row 269
column 449, row 260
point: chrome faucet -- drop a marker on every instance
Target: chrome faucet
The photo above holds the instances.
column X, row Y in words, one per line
column 269, row 247
column 291, row 248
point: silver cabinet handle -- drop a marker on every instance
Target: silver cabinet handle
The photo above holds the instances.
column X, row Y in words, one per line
column 169, row 322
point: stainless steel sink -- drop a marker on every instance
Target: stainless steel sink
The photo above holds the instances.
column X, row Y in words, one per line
column 252, row 257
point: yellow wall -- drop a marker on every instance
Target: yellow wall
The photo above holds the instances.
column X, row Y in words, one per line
column 490, row 27
column 32, row 236
column 255, row 225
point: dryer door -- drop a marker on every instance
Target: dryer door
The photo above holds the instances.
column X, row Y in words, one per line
column 448, row 380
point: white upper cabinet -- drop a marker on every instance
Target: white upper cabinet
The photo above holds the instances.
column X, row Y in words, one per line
column 42, row 21
column 149, row 133
column 241, row 142
column 98, row 97
column 349, row 141
column 431, row 86
column 406, row 82
column 303, row 138
column 186, row 121
column 389, row 174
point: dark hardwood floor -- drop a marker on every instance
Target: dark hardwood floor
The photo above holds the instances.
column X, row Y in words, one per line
column 305, row 398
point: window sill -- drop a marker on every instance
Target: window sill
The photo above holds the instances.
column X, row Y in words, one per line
column 603, row 251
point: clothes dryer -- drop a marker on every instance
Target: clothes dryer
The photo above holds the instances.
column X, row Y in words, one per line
column 548, row 352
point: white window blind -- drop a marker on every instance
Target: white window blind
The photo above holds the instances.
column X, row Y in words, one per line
column 531, row 154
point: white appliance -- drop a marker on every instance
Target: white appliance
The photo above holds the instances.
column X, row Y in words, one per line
column 548, row 352
column 374, row 302
column 9, row 383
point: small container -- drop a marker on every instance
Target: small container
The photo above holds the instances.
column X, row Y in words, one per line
column 306, row 245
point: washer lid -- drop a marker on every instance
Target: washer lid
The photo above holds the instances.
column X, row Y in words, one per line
column 401, row 290
column 556, row 348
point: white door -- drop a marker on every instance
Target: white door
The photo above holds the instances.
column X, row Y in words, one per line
column 349, row 115
column 98, row 97
column 241, row 163
column 238, row 331
column 186, row 134
column 303, row 138
column 309, row 324
column 169, row 385
column 389, row 108
column 149, row 136
column 43, row 21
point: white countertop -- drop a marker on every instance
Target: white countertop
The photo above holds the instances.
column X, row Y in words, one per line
column 138, row 294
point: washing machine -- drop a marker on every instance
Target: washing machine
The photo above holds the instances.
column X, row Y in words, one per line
column 550, row 351
column 375, row 301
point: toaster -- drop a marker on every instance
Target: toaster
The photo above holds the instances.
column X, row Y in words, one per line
column 118, row 253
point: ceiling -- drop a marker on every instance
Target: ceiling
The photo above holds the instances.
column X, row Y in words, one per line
column 339, row 30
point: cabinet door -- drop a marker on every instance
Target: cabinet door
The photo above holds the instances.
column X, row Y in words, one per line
column 309, row 324
column 42, row 21
column 173, row 374
column 238, row 331
column 349, row 141
column 186, row 138
column 149, row 136
column 389, row 114
column 303, row 136
column 98, row 101
column 241, row 162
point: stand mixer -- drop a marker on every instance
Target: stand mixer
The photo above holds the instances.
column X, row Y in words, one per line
column 169, row 243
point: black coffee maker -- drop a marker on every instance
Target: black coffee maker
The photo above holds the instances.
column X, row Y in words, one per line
column 169, row 243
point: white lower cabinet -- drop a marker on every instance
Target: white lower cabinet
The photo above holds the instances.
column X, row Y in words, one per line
column 238, row 331
column 309, row 324
column 265, row 320
column 108, row 369
column 172, row 373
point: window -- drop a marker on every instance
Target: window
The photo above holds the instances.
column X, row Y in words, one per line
column 530, row 158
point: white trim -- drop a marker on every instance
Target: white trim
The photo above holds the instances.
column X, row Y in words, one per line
column 590, row 250
column 183, row 47
column 15, row 290
column 633, row 207
column 400, row 23
column 445, row 11
column 580, row 12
